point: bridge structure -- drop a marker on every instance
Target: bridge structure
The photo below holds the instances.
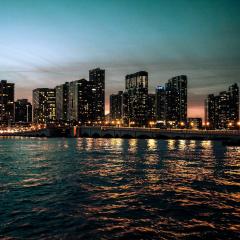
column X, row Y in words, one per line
column 156, row 133
column 130, row 132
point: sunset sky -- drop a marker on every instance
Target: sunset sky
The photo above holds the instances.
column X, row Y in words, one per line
column 45, row 43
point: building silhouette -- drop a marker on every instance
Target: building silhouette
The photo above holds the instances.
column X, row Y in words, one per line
column 222, row 110
column 210, row 115
column 23, row 111
column 96, row 95
column 151, row 107
column 233, row 91
column 6, row 102
column 137, row 98
column 62, row 101
column 176, row 101
column 160, row 106
column 44, row 105
column 79, row 101
column 116, row 106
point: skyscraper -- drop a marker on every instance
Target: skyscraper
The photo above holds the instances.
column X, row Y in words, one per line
column 161, row 105
column 137, row 92
column 62, row 101
column 176, row 100
column 151, row 107
column 97, row 94
column 6, row 102
column 78, row 101
column 23, row 111
column 234, row 103
column 210, row 111
column 44, row 105
column 222, row 110
column 116, row 106
column 125, row 112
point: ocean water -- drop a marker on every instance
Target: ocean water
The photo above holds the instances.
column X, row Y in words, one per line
column 118, row 189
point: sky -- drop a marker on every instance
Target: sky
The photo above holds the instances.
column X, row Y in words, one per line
column 46, row 43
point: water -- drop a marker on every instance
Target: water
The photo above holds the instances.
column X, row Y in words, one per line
column 118, row 189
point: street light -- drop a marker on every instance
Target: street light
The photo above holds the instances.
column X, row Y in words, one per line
column 182, row 124
column 151, row 123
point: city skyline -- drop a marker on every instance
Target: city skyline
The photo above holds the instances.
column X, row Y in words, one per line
column 48, row 43
column 82, row 102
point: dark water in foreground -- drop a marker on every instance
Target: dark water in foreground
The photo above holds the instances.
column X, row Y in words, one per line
column 118, row 189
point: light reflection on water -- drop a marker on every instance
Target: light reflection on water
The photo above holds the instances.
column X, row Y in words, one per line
column 117, row 188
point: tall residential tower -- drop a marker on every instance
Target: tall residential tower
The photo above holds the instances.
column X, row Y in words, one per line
column 6, row 102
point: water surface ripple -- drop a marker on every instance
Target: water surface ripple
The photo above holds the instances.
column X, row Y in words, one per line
column 118, row 189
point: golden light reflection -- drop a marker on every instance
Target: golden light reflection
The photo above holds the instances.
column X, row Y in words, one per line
column 206, row 144
column 133, row 145
column 193, row 143
column 182, row 144
column 171, row 144
column 117, row 142
column 152, row 144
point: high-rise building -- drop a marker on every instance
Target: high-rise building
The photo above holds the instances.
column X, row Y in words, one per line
column 125, row 112
column 151, row 107
column 234, row 104
column 97, row 95
column 176, row 100
column 44, row 105
column 116, row 106
column 222, row 111
column 78, row 101
column 210, row 111
column 23, row 111
column 161, row 105
column 137, row 92
column 6, row 102
column 62, row 101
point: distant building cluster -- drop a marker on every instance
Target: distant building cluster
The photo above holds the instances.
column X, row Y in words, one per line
column 82, row 102
column 222, row 110
column 77, row 102
column 11, row 111
column 167, row 107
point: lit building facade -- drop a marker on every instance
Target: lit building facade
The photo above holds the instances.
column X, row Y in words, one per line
column 78, row 101
column 96, row 95
column 6, row 102
column 176, row 100
column 160, row 106
column 62, row 101
column 116, row 106
column 210, row 111
column 44, row 105
column 151, row 107
column 137, row 98
column 222, row 110
column 23, row 111
column 234, row 104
